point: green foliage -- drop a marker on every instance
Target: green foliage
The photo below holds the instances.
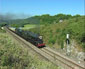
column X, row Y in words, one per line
column 52, row 40
column 2, row 24
column 15, row 25
column 6, row 60
column 43, row 19
column 74, row 25
column 13, row 55
column 62, row 44
column 57, row 32
column 1, row 52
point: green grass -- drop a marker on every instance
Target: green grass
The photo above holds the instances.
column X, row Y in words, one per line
column 29, row 26
column 14, row 56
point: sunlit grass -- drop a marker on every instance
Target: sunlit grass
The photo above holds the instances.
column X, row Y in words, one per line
column 29, row 26
column 13, row 55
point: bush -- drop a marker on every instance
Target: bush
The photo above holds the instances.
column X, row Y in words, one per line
column 1, row 52
column 52, row 40
column 62, row 44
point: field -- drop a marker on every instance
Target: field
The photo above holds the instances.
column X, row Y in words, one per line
column 13, row 55
column 28, row 26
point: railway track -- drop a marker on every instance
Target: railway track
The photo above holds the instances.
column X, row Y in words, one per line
column 49, row 54
column 63, row 61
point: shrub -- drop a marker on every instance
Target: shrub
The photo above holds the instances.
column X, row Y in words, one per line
column 52, row 40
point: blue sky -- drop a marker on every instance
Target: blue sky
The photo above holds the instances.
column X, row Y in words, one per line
column 39, row 7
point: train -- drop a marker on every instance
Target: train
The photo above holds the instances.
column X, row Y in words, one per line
column 33, row 38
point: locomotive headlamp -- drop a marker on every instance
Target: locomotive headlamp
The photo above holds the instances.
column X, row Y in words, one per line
column 40, row 37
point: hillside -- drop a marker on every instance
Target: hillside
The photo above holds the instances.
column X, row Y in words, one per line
column 13, row 55
column 56, row 32
column 52, row 29
column 43, row 19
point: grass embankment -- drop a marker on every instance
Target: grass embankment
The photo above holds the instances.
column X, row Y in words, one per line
column 56, row 33
column 13, row 56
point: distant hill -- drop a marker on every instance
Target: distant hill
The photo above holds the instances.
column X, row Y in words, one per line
column 43, row 19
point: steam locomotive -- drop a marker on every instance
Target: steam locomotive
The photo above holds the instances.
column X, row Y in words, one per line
column 31, row 37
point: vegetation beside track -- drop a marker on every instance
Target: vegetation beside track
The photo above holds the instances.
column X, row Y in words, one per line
column 54, row 28
column 13, row 56
column 56, row 33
